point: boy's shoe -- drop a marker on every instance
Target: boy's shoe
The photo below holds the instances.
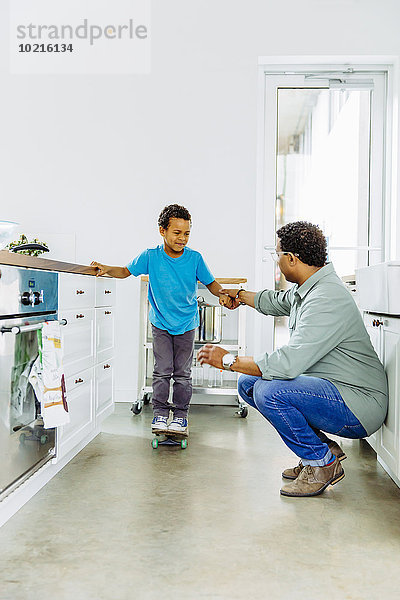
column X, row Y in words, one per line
column 178, row 425
column 159, row 423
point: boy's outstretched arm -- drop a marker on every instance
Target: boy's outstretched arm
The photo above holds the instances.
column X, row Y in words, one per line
column 214, row 288
column 119, row 272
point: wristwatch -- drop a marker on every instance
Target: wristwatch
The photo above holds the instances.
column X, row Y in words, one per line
column 227, row 361
column 238, row 297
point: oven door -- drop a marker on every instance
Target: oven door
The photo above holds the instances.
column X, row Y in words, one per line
column 24, row 443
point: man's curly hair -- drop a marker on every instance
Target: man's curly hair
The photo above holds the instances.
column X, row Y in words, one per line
column 305, row 240
column 173, row 211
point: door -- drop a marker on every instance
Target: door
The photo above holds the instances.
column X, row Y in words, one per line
column 24, row 442
column 321, row 160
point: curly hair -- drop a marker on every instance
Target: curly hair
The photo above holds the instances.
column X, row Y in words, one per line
column 305, row 240
column 173, row 211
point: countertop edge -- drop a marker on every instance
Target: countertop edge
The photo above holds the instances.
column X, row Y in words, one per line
column 12, row 259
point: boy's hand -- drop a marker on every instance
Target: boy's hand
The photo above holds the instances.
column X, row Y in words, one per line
column 228, row 298
column 101, row 269
column 228, row 302
column 211, row 355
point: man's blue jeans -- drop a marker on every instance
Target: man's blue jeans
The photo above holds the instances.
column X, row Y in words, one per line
column 300, row 409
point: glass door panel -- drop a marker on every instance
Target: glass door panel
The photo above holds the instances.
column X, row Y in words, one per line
column 323, row 173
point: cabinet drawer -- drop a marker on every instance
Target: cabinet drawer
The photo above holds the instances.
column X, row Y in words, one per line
column 76, row 291
column 104, row 333
column 80, row 400
column 104, row 384
column 78, row 340
column 105, row 291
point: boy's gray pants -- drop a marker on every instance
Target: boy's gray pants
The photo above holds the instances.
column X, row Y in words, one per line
column 173, row 355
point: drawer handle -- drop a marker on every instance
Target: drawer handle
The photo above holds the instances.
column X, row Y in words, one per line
column 80, row 316
column 107, row 291
column 107, row 367
column 107, row 312
column 79, row 380
column 80, row 291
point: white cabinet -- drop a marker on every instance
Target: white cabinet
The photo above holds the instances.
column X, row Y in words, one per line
column 105, row 291
column 81, row 411
column 76, row 291
column 384, row 332
column 375, row 333
column 78, row 339
column 104, row 381
column 104, row 333
column 388, row 446
column 88, row 345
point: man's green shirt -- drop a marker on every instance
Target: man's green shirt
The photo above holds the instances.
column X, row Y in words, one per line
column 328, row 339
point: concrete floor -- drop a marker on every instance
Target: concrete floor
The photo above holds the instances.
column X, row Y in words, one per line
column 123, row 521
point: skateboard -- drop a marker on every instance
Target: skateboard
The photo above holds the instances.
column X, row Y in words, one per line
column 169, row 438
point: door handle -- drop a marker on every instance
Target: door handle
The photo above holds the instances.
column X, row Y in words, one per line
column 25, row 328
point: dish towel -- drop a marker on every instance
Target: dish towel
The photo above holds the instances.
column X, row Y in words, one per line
column 47, row 377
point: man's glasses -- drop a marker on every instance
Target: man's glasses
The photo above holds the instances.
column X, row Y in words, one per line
column 275, row 255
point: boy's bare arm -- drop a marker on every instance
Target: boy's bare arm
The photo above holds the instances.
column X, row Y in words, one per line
column 214, row 288
column 118, row 272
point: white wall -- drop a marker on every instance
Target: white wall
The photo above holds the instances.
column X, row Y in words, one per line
column 99, row 156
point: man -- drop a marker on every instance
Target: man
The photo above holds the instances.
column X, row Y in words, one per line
column 328, row 378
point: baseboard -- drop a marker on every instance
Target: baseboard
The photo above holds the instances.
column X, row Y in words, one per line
column 129, row 395
column 389, row 471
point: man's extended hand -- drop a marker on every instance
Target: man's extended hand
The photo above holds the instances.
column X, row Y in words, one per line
column 227, row 301
column 211, row 355
column 229, row 298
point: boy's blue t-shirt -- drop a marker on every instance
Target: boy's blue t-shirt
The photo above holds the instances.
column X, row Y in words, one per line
column 172, row 287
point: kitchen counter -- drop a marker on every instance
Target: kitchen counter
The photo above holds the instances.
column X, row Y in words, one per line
column 45, row 264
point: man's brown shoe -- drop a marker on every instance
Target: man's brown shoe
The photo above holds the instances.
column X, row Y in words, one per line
column 292, row 473
column 314, row 480
column 295, row 471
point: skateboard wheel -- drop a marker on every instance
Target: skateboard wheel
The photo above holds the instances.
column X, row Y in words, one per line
column 44, row 439
column 183, row 444
column 243, row 412
column 154, row 443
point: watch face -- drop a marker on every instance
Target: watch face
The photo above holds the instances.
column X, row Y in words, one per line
column 228, row 360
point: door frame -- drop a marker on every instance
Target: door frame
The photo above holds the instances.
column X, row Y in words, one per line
column 296, row 65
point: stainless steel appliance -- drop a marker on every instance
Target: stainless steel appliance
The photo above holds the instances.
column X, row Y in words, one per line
column 210, row 328
column 27, row 299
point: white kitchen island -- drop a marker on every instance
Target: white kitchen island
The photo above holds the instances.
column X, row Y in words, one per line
column 87, row 304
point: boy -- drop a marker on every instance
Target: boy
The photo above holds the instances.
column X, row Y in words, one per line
column 173, row 270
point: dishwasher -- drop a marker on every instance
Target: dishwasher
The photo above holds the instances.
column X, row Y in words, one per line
column 213, row 387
